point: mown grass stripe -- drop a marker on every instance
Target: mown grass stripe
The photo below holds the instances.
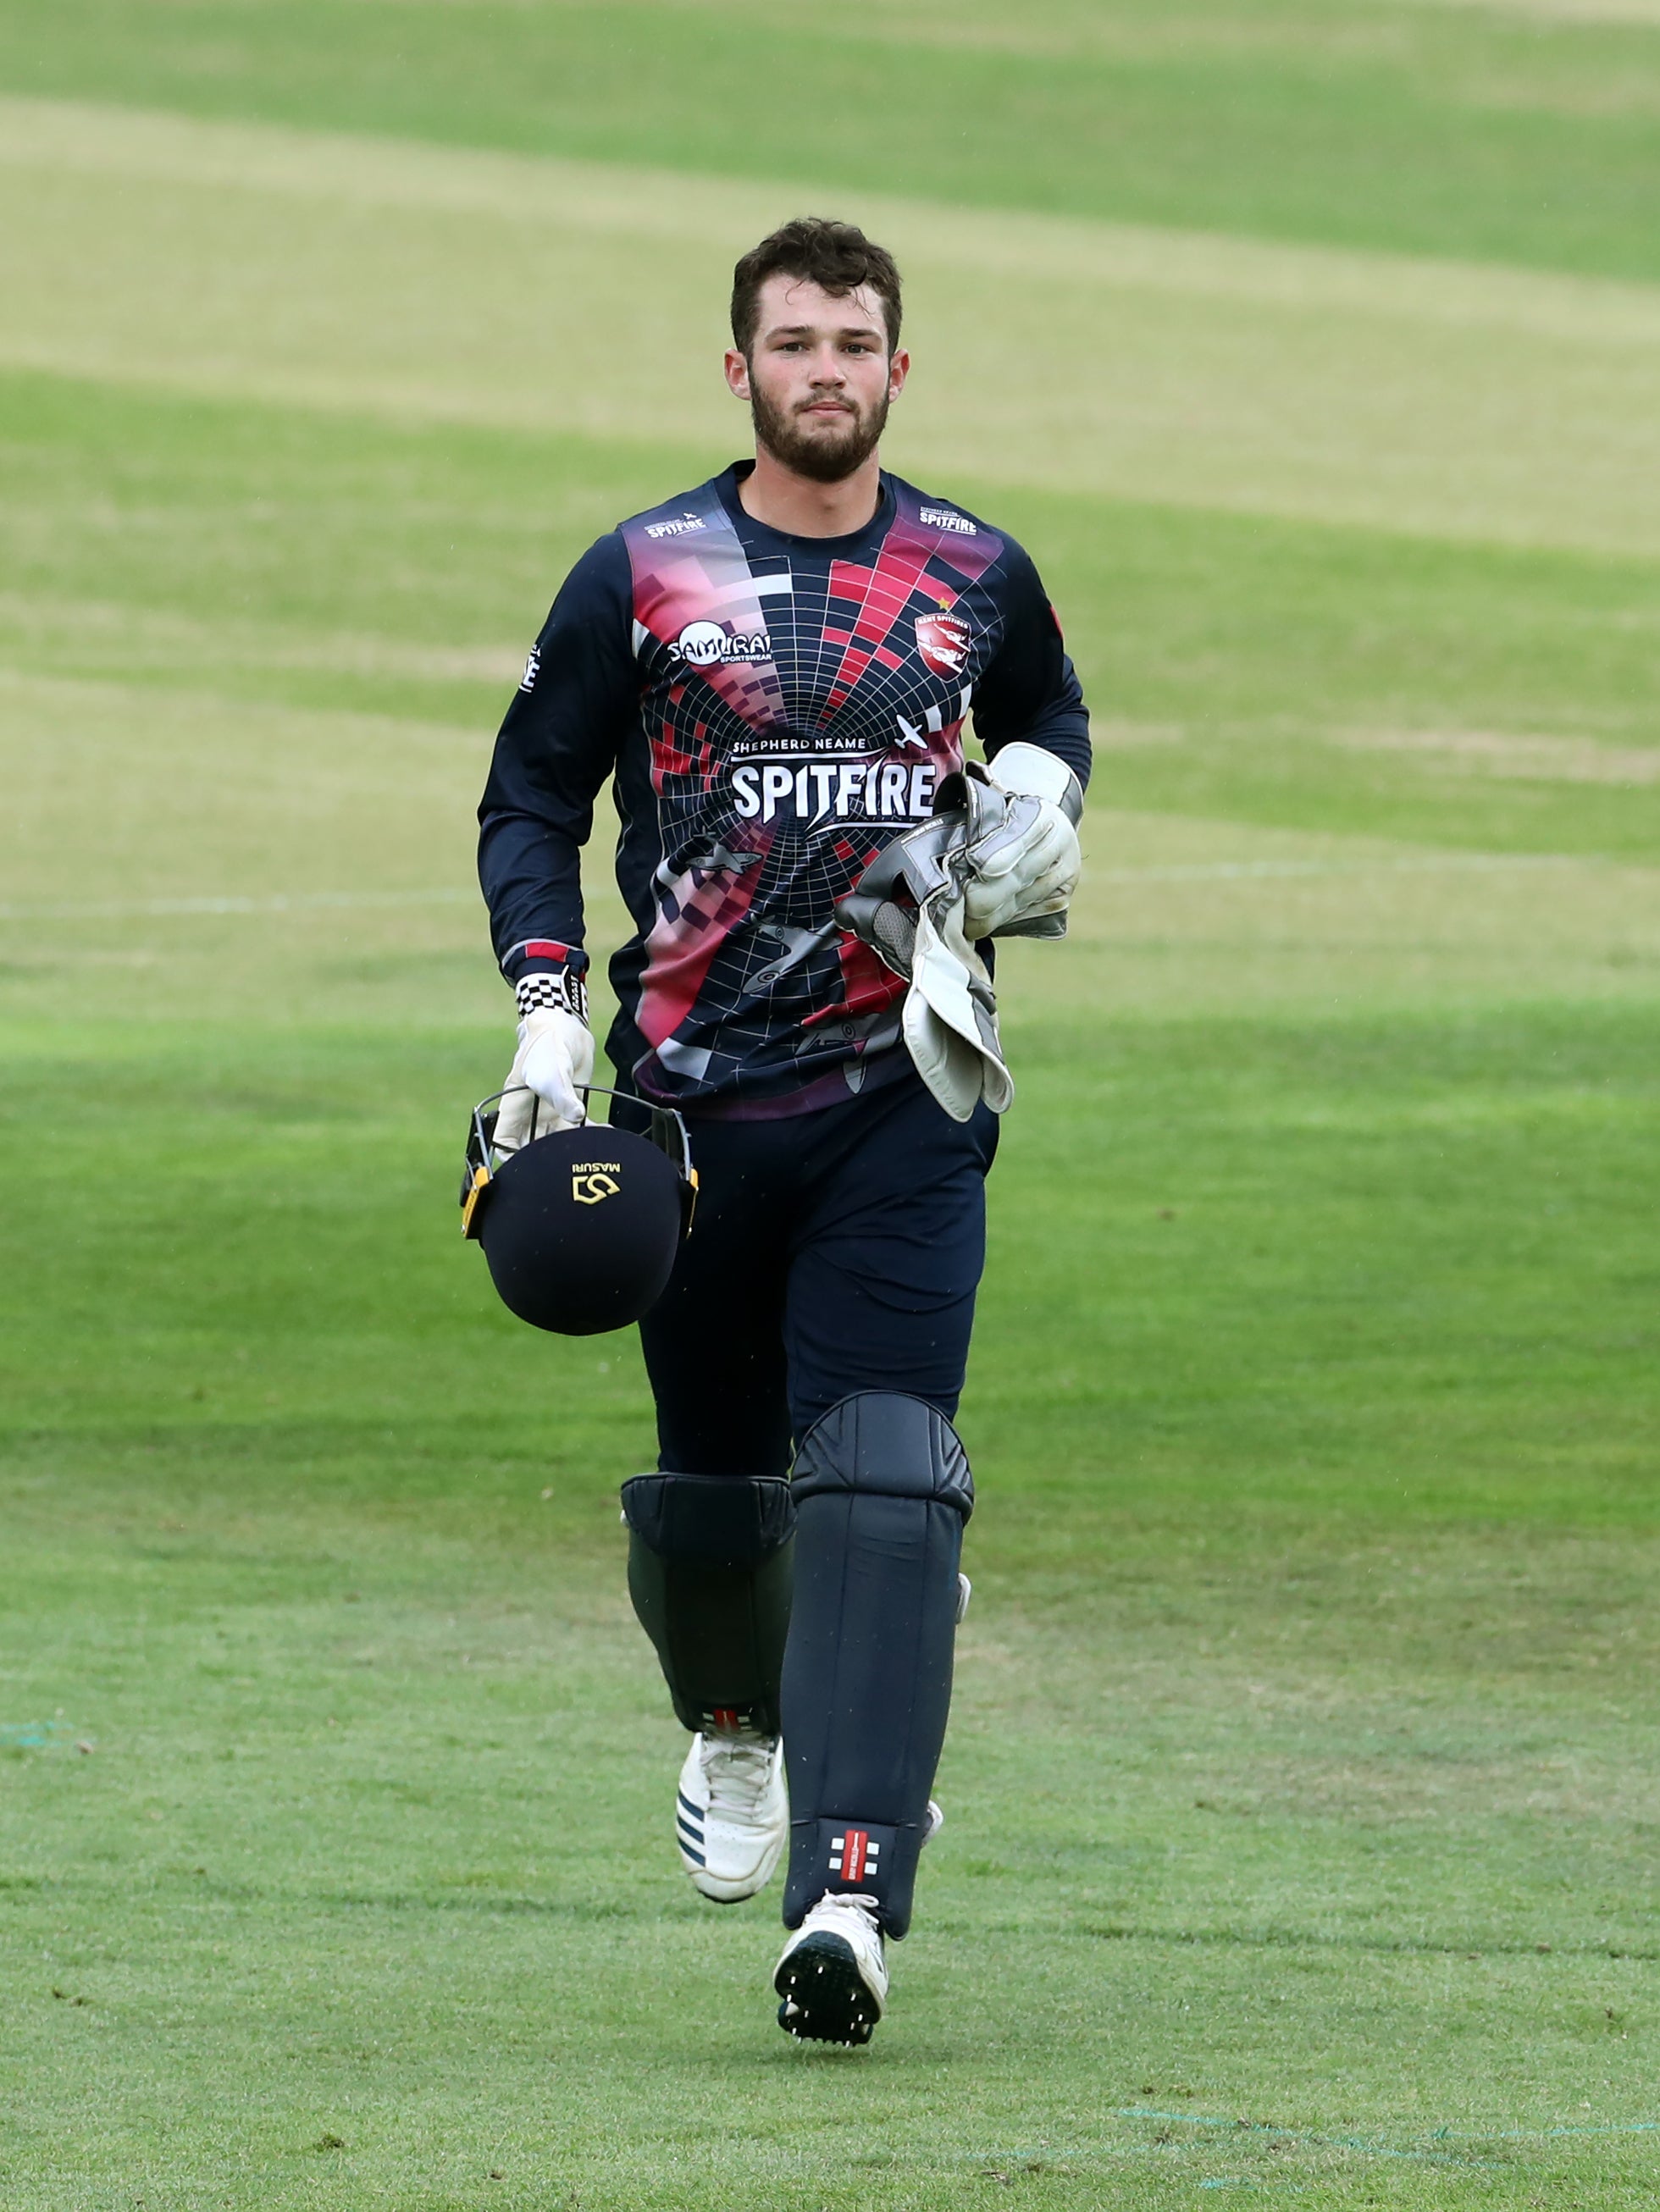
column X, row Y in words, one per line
column 444, row 286
column 614, row 200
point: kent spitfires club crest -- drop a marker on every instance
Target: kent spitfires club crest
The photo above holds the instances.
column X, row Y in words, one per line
column 943, row 642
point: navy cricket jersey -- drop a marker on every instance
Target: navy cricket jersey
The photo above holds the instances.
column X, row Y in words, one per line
column 775, row 709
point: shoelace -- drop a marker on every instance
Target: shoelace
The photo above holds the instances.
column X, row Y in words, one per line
column 865, row 1905
column 737, row 1773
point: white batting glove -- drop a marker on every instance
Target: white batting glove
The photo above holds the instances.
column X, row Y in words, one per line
column 1027, row 864
column 554, row 1061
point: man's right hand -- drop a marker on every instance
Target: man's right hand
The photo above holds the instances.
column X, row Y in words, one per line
column 555, row 1060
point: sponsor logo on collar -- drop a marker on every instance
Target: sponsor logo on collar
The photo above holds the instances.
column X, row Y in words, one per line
column 942, row 517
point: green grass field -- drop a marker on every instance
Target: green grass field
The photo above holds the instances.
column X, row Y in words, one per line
column 1303, row 1786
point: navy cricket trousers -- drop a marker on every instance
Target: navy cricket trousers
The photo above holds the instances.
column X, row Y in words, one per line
column 833, row 1251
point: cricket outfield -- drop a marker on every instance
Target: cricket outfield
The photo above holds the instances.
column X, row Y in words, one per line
column 1302, row 1791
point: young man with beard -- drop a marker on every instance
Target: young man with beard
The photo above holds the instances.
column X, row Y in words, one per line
column 776, row 667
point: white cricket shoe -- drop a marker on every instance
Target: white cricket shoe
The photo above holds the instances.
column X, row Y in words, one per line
column 832, row 1980
column 731, row 1815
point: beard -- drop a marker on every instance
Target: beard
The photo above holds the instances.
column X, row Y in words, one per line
column 827, row 454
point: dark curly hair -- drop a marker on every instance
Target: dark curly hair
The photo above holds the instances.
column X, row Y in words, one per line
column 836, row 255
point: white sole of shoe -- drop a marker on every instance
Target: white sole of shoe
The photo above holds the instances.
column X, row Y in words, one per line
column 719, row 1892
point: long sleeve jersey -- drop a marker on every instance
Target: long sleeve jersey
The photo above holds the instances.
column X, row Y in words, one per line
column 774, row 710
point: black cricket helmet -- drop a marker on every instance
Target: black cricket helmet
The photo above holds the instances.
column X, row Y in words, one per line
column 579, row 1227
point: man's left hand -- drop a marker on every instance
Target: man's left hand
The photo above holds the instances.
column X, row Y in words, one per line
column 1028, row 864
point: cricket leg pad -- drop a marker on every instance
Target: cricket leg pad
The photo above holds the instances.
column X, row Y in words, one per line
column 882, row 1489
column 710, row 1563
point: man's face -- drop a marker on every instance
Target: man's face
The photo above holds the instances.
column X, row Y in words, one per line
column 819, row 377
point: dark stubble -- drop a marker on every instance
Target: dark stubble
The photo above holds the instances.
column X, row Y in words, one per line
column 826, row 455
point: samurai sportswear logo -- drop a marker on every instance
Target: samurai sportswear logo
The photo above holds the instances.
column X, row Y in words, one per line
column 706, row 645
column 594, row 1180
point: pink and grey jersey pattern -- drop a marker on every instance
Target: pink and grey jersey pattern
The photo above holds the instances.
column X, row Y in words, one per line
column 774, row 710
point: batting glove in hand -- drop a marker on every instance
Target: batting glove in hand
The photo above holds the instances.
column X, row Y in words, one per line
column 1025, row 864
column 554, row 1062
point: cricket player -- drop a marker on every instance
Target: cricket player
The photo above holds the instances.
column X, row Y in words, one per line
column 777, row 668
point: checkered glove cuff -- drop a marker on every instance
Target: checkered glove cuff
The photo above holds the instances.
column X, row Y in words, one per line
column 562, row 991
